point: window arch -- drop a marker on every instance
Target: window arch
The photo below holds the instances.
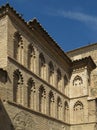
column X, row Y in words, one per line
column 31, row 94
column 66, row 89
column 18, row 87
column 51, row 73
column 65, row 80
column 31, row 58
column 59, row 78
column 77, row 81
column 51, row 104
column 66, row 112
column 59, row 108
column 18, row 47
column 78, row 112
column 42, row 100
column 42, row 66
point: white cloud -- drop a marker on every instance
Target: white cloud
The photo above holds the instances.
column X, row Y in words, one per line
column 78, row 16
column 89, row 20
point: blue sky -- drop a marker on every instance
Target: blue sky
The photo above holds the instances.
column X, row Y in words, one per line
column 71, row 23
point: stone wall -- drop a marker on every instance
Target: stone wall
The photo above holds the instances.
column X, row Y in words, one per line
column 68, row 103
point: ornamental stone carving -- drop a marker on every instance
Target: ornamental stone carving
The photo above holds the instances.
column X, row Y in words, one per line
column 23, row 121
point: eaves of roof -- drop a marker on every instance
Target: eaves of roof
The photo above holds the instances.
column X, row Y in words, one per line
column 87, row 61
column 81, row 48
column 34, row 24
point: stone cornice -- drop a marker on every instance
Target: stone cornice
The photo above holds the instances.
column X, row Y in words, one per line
column 6, row 10
column 81, row 48
column 36, row 112
column 37, row 77
column 34, row 26
column 83, row 63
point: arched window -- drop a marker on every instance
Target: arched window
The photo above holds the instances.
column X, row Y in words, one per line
column 31, row 58
column 51, row 104
column 65, row 80
column 18, row 87
column 59, row 108
column 78, row 112
column 59, row 78
column 42, row 100
column 31, row 94
column 65, row 85
column 66, row 112
column 51, row 73
column 18, row 48
column 42, row 66
column 77, row 81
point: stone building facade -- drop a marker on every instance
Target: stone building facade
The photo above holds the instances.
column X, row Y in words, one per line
column 41, row 87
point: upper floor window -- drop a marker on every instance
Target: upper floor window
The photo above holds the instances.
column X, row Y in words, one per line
column 51, row 73
column 42, row 66
column 59, row 78
column 31, row 58
column 65, row 80
column 18, row 47
column 65, row 88
column 18, row 87
column 77, row 81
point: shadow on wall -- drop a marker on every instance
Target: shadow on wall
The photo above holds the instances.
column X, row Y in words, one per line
column 5, row 122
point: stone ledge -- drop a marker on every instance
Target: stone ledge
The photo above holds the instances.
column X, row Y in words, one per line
column 36, row 76
column 35, row 112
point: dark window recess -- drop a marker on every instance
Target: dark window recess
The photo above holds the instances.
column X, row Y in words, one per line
column 3, row 76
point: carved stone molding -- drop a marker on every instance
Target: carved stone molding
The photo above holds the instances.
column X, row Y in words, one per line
column 23, row 121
